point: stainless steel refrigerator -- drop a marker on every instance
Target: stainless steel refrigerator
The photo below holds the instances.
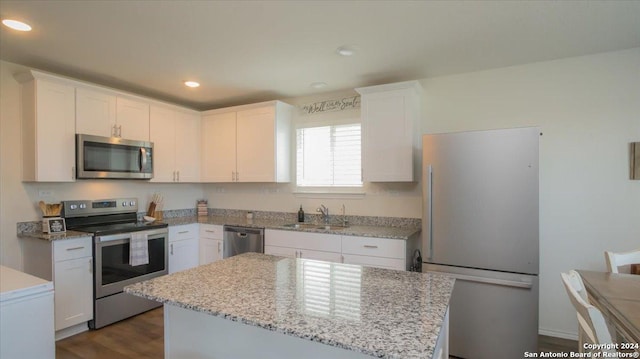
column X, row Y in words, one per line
column 480, row 225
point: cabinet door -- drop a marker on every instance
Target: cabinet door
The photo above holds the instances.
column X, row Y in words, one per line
column 390, row 118
column 387, row 137
column 73, row 284
column 95, row 112
column 187, row 147
column 210, row 250
column 219, row 147
column 256, row 138
column 55, row 132
column 132, row 119
column 163, row 135
column 183, row 255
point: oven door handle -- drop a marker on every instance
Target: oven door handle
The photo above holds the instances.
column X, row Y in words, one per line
column 127, row 236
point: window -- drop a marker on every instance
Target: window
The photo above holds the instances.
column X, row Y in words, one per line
column 328, row 156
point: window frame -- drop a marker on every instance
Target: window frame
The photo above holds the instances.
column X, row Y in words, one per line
column 314, row 191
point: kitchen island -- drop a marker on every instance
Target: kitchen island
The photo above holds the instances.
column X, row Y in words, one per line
column 255, row 305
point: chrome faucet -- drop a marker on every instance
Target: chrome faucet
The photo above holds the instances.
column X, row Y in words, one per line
column 325, row 213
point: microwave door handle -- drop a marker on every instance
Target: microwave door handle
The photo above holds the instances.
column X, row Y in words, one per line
column 143, row 158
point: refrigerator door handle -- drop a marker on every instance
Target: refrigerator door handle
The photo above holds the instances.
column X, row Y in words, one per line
column 503, row 282
column 428, row 212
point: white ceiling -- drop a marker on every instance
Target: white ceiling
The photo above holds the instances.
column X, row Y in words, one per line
column 249, row 51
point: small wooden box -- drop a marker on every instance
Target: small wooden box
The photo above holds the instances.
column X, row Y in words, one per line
column 53, row 225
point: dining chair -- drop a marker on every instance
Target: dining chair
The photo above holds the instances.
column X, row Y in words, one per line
column 592, row 327
column 615, row 260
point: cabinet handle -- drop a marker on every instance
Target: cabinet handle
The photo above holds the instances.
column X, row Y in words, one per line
column 300, row 254
column 370, row 246
column 178, row 175
column 73, row 172
column 171, row 248
column 75, row 248
column 90, row 265
column 219, row 247
column 341, row 259
column 209, row 231
column 183, row 232
column 120, row 131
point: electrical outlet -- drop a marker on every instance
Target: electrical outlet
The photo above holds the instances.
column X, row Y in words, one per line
column 45, row 193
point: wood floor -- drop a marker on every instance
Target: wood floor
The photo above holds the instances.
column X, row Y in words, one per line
column 141, row 337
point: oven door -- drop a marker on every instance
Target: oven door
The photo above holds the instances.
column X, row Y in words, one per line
column 113, row 271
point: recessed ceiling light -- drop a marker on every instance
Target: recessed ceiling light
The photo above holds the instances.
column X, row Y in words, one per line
column 16, row 25
column 191, row 84
column 318, row 85
column 346, row 50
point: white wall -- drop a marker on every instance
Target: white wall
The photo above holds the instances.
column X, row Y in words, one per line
column 589, row 110
column 18, row 200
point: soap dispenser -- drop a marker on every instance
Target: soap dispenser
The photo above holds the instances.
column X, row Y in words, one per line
column 300, row 214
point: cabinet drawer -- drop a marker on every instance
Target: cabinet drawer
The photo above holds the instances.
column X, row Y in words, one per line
column 303, row 240
column 379, row 262
column 376, row 247
column 72, row 248
column 179, row 233
column 211, row 231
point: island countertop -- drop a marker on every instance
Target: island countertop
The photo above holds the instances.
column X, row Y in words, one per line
column 378, row 312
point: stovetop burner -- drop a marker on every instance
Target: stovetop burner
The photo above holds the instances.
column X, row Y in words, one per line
column 105, row 217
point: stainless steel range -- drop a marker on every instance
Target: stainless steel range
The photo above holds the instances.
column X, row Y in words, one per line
column 113, row 224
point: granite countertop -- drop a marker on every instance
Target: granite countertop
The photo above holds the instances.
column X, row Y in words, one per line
column 402, row 233
column 53, row 237
column 379, row 312
column 380, row 231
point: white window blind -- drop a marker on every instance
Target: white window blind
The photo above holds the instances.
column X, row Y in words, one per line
column 328, row 156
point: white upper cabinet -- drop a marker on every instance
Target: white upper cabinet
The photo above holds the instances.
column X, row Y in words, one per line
column 255, row 145
column 247, row 143
column 48, row 128
column 176, row 144
column 132, row 118
column 390, row 128
column 219, row 147
column 95, row 112
column 104, row 113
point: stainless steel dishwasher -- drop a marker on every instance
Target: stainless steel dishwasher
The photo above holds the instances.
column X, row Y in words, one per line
column 239, row 240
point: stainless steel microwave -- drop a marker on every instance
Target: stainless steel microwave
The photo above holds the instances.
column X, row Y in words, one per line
column 113, row 158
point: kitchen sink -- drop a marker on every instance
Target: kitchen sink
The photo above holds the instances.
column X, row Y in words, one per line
column 332, row 227
column 325, row 227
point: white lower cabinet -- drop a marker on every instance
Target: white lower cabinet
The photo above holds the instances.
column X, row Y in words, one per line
column 375, row 252
column 183, row 247
column 211, row 243
column 69, row 264
column 366, row 251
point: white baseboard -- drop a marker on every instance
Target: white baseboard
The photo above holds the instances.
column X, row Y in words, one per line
column 67, row 332
column 558, row 334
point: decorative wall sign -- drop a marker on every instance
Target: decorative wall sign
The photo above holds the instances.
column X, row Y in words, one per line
column 347, row 103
